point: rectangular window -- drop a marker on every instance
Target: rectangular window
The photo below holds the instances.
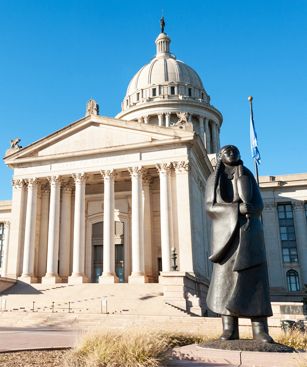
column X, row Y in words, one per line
column 154, row 92
column 138, row 96
column 190, row 92
column 287, row 233
column 172, row 90
column 1, row 242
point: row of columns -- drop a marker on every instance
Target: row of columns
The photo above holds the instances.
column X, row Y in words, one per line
column 58, row 243
column 208, row 129
column 164, row 119
column 209, row 132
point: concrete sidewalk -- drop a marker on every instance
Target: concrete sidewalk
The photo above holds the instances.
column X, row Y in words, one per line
column 18, row 339
column 13, row 339
column 221, row 357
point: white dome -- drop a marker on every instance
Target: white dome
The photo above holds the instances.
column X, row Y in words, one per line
column 167, row 92
column 161, row 71
column 164, row 77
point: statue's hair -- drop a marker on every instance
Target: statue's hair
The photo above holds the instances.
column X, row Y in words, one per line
column 220, row 166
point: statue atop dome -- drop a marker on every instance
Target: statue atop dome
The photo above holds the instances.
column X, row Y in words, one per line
column 162, row 24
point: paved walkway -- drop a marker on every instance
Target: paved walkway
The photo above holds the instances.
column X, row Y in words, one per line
column 13, row 339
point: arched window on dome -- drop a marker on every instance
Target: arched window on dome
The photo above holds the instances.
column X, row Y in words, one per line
column 293, row 281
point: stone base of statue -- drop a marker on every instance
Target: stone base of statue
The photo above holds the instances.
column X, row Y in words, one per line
column 248, row 345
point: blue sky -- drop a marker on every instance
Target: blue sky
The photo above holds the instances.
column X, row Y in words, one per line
column 55, row 55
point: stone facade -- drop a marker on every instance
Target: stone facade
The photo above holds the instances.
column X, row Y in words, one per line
column 285, row 229
column 117, row 199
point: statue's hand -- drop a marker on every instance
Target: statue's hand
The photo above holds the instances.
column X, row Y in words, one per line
column 246, row 208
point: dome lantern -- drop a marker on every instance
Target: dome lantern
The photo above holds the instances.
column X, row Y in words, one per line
column 163, row 42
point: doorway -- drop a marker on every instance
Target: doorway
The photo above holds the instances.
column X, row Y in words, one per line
column 97, row 250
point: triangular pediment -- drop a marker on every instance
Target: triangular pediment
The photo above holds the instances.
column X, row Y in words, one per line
column 97, row 134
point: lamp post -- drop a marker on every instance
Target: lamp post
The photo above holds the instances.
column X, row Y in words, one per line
column 174, row 259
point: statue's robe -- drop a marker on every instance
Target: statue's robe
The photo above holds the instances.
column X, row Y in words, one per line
column 239, row 285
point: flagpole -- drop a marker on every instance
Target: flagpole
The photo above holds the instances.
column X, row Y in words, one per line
column 250, row 98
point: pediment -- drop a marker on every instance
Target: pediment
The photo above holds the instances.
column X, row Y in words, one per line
column 96, row 134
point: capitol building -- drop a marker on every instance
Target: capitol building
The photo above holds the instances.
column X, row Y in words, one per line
column 121, row 200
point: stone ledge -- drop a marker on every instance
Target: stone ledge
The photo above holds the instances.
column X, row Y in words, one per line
column 195, row 352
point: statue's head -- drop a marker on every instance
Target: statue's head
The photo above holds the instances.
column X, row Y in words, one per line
column 230, row 155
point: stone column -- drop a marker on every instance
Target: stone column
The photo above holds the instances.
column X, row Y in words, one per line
column 108, row 275
column 43, row 233
column 185, row 257
column 207, row 135
column 14, row 250
column 218, row 145
column 214, row 137
column 77, row 275
column 301, row 237
column 65, row 231
column 167, row 119
column 5, row 238
column 202, row 129
column 164, row 173
column 147, row 232
column 137, row 275
column 160, row 119
column 146, row 118
column 27, row 275
column 52, row 276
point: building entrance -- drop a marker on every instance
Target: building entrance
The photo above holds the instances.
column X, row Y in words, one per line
column 97, row 251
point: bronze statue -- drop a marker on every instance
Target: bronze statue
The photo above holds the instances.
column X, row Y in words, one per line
column 162, row 24
column 239, row 286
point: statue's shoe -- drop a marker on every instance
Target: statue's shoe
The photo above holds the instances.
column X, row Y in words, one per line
column 229, row 335
column 263, row 337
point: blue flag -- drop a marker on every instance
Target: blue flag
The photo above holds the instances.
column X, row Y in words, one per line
column 253, row 138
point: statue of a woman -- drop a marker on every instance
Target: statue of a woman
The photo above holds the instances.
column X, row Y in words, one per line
column 239, row 286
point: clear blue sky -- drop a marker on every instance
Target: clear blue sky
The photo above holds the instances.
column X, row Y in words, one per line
column 56, row 54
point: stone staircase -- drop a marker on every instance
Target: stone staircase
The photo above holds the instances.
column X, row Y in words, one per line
column 38, row 303
column 96, row 306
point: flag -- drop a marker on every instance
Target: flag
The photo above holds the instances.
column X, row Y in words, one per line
column 253, row 139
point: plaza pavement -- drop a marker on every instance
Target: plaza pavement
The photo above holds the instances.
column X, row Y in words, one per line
column 17, row 339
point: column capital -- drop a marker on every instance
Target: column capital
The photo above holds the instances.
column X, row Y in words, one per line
column 147, row 179
column 67, row 187
column 182, row 166
column 136, row 171
column 17, row 183
column 54, row 180
column 164, row 167
column 79, row 177
column 108, row 173
column 30, row 182
column 45, row 188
